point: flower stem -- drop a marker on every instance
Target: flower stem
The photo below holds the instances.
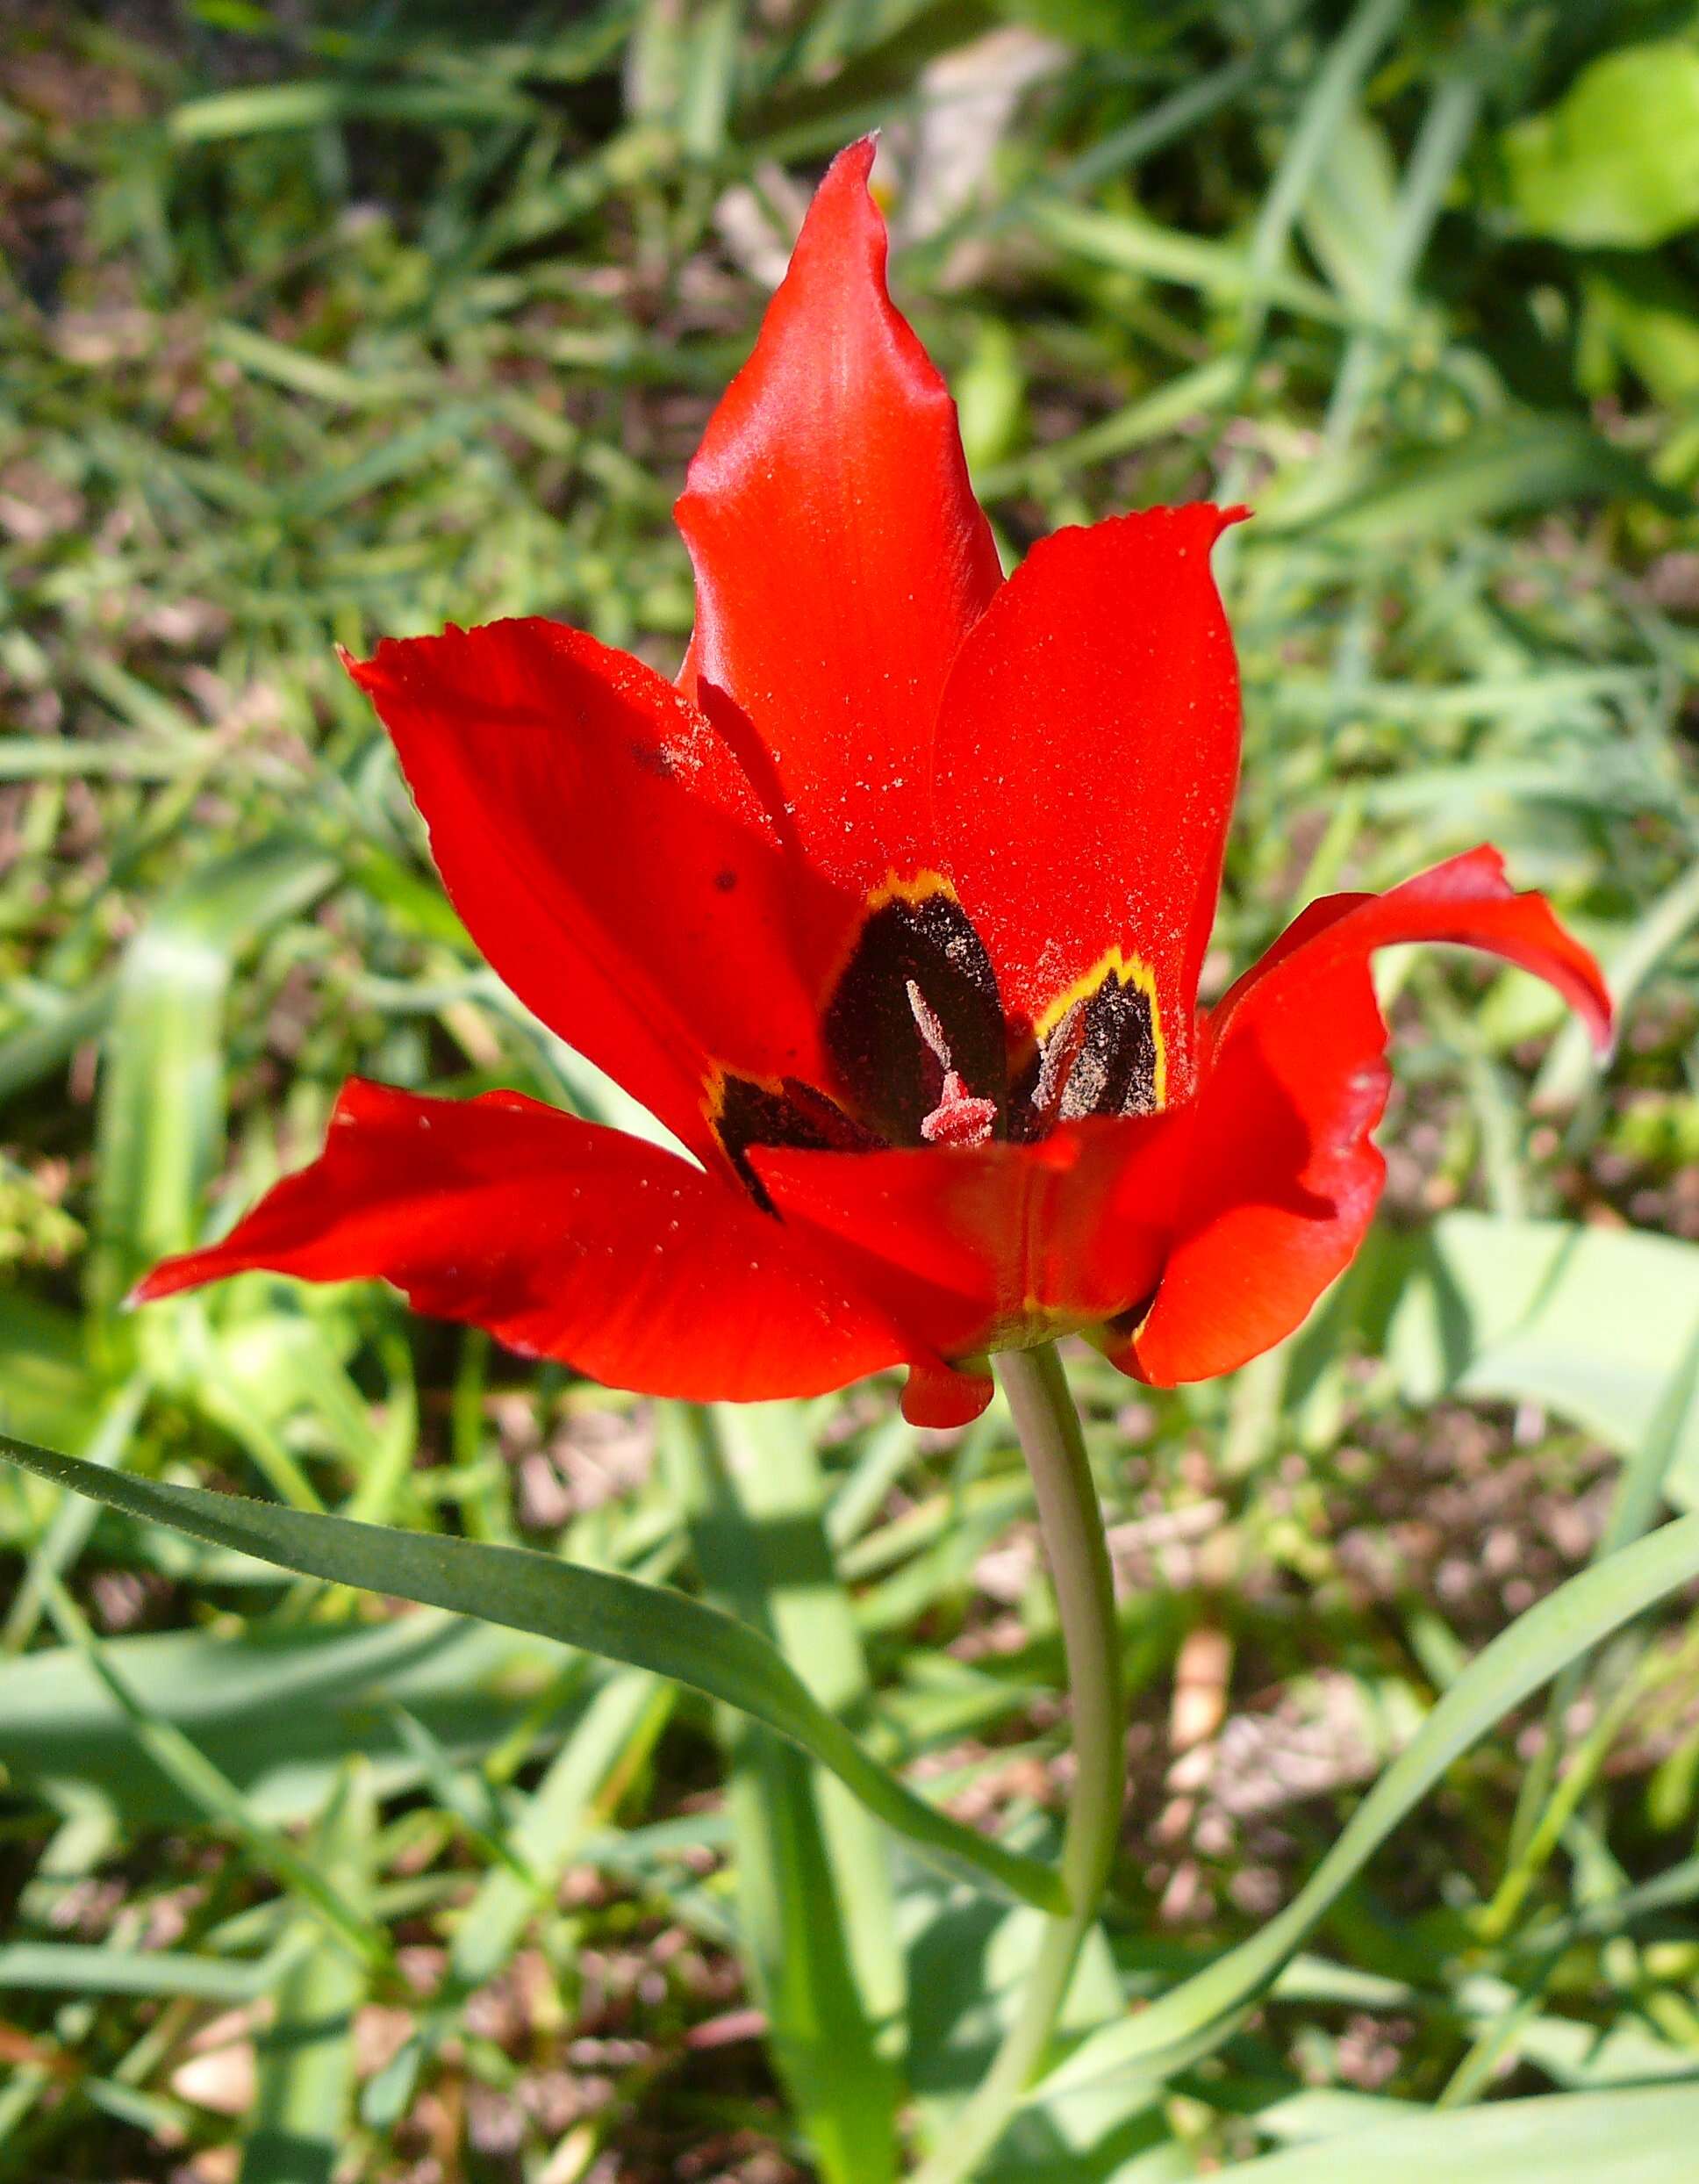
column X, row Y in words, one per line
column 1072, row 1527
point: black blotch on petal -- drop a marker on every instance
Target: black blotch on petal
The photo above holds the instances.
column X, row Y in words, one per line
column 886, row 1069
column 792, row 1114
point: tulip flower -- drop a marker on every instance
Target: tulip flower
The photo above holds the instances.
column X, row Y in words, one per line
column 892, row 909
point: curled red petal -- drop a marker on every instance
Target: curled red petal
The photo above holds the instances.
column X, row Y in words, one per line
column 840, row 554
column 611, row 858
column 1468, row 902
column 1283, row 1177
column 566, row 1240
column 1086, row 756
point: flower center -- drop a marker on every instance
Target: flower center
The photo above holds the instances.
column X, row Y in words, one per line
column 919, row 1050
column 915, row 1024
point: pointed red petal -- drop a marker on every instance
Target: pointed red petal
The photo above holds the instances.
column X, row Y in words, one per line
column 565, row 1241
column 1088, row 752
column 840, row 555
column 1284, row 1178
column 611, row 858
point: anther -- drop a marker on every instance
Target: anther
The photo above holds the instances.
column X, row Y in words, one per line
column 1060, row 1051
column 926, row 1024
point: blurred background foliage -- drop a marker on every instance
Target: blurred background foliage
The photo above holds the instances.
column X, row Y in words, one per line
column 325, row 321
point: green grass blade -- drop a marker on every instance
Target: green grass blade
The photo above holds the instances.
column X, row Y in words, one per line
column 81, row 1968
column 1445, row 132
column 618, row 1724
column 267, row 108
column 306, row 2055
column 1194, row 2018
column 1634, row 1508
column 817, row 1911
column 775, row 1470
column 1572, row 1065
column 1508, row 465
column 615, row 1616
column 218, row 1799
column 28, row 1055
column 161, row 1104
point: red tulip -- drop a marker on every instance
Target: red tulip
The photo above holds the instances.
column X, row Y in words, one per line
column 893, row 911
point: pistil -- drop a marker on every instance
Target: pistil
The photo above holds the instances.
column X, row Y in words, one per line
column 960, row 1117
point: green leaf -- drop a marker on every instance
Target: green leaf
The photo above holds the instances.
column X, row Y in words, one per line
column 1646, row 315
column 1194, row 2018
column 1637, row 2136
column 1617, row 160
column 1592, row 1322
column 1349, row 212
column 277, row 1711
column 642, row 1624
column 64, row 1541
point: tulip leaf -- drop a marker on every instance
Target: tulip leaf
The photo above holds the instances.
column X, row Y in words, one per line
column 619, row 1618
column 1193, row 2018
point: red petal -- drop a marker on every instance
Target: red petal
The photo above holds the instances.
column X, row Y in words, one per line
column 1088, row 752
column 1466, row 903
column 1283, row 1177
column 611, row 859
column 974, row 1248
column 840, row 555
column 941, row 1396
column 565, row 1240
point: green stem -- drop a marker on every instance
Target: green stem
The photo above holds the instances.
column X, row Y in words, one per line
column 1072, row 1527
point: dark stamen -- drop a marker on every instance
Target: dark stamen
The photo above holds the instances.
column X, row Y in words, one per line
column 1115, row 1070
column 1059, row 1054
